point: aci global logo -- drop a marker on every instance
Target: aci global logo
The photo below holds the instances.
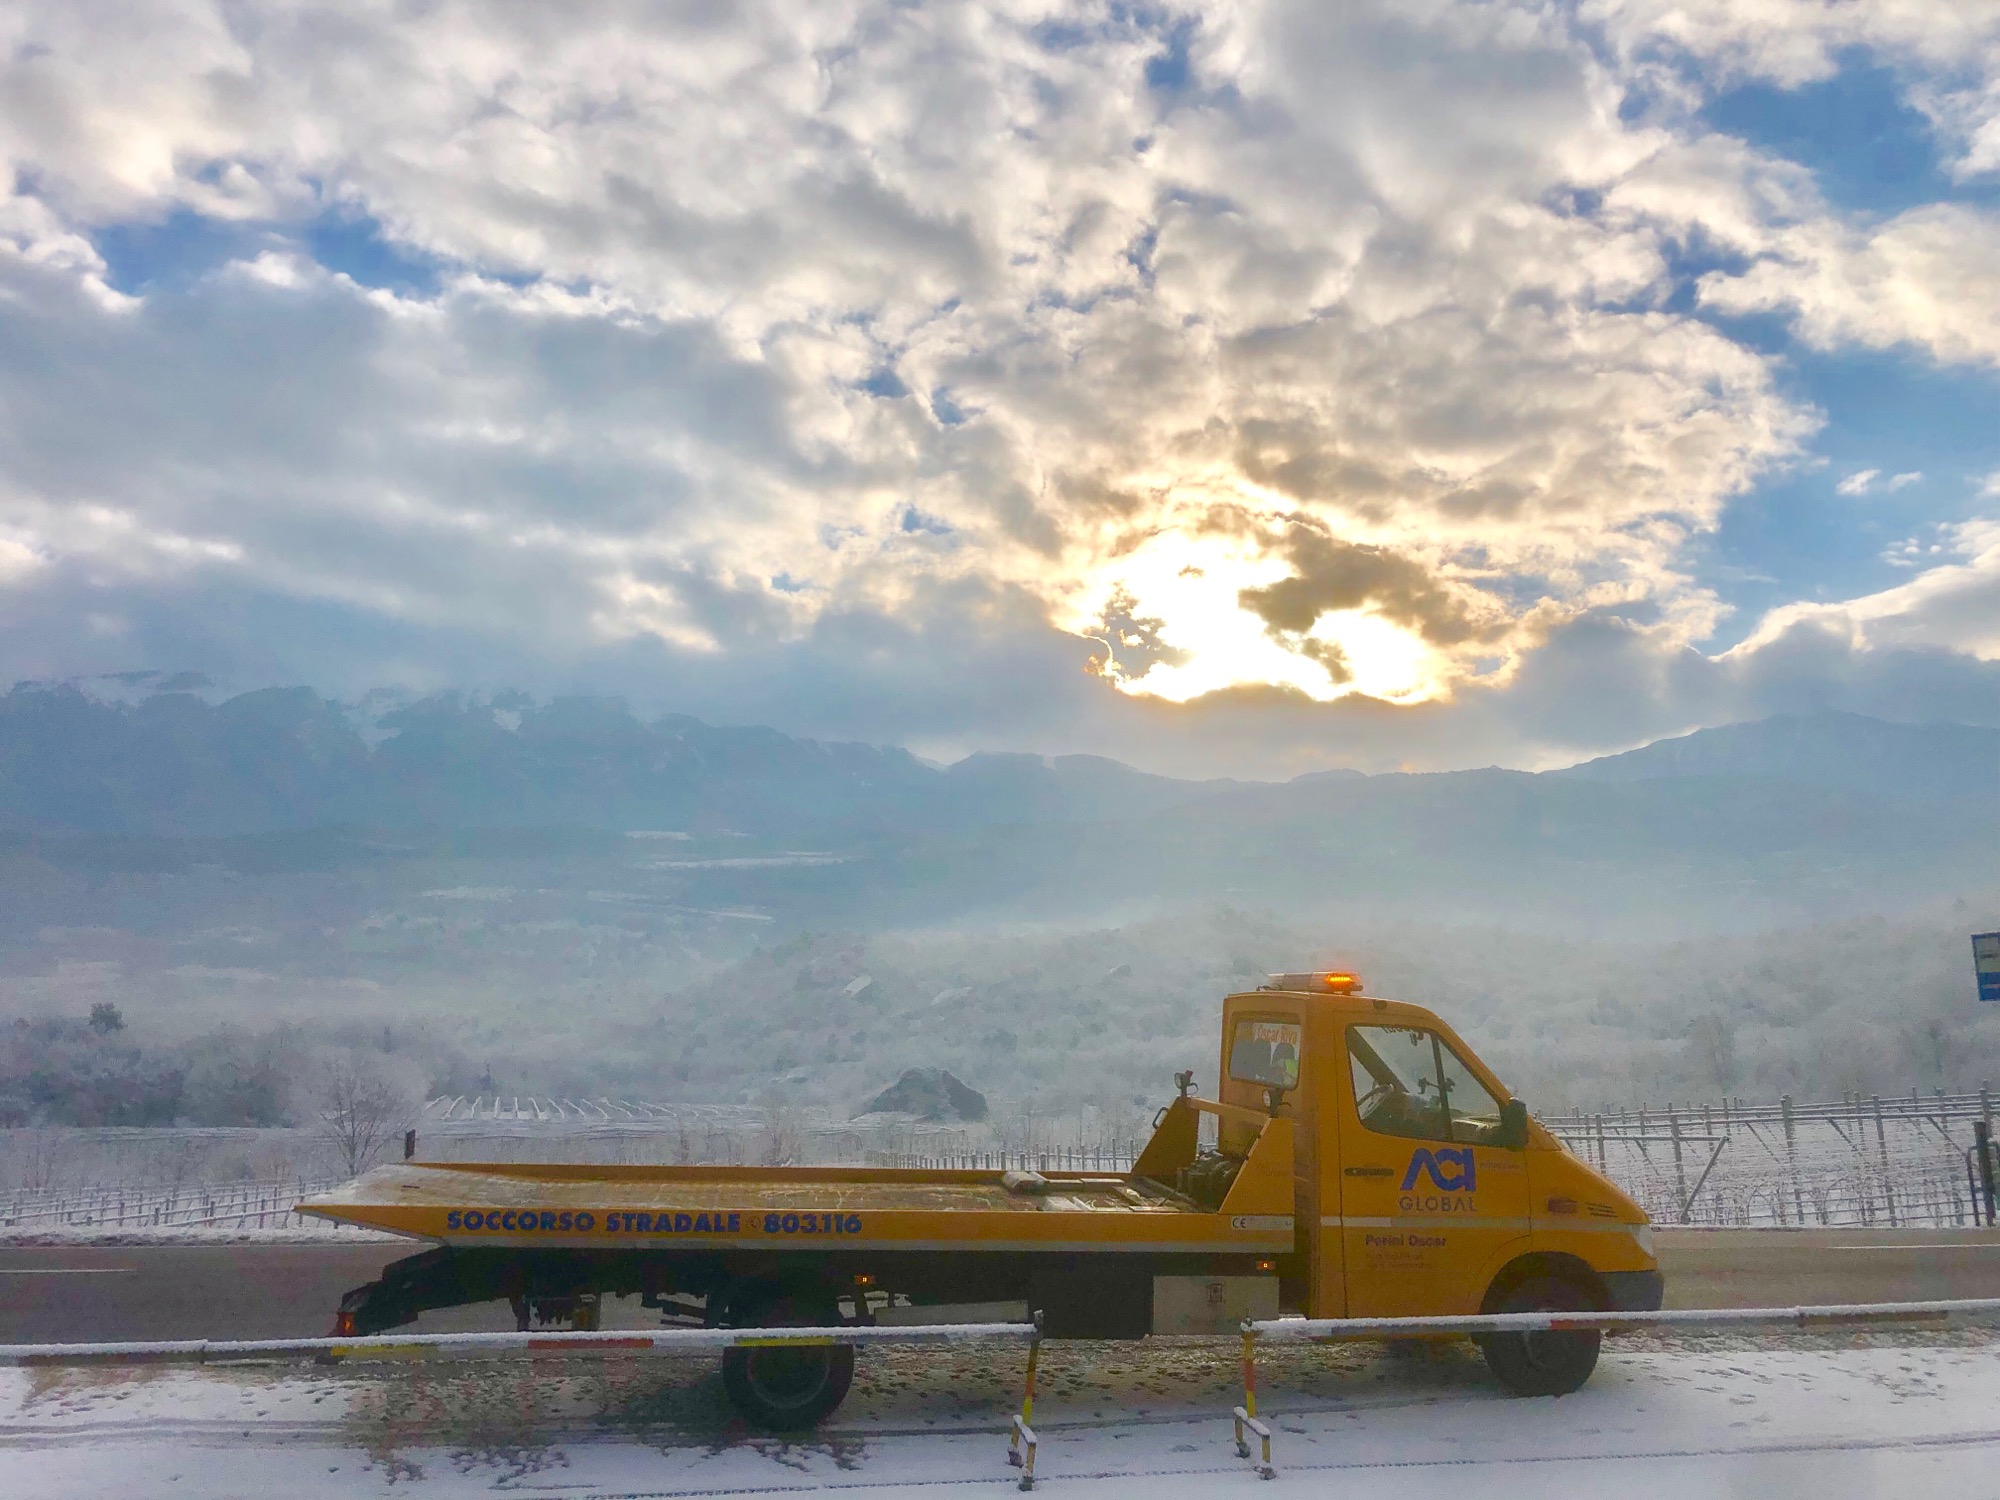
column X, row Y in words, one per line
column 1452, row 1171
column 1451, row 1168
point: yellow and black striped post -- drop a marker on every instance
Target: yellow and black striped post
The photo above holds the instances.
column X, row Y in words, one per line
column 1021, row 1443
column 1246, row 1414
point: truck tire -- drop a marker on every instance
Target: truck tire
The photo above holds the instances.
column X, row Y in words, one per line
column 1543, row 1364
column 786, row 1389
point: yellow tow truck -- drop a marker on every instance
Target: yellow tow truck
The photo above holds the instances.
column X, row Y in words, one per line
column 1359, row 1161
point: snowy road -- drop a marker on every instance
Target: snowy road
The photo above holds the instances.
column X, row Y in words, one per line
column 1892, row 1416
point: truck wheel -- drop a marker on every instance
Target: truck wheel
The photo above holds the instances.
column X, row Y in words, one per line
column 1543, row 1364
column 786, row 1389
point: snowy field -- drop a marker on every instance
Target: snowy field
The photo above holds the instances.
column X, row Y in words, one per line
column 1830, row 1418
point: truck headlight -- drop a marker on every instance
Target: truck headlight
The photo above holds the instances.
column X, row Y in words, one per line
column 1643, row 1233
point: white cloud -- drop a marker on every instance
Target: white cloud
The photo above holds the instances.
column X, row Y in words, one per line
column 1916, row 552
column 1928, row 277
column 1861, row 481
column 16, row 559
column 1953, row 606
column 1329, row 280
column 771, row 325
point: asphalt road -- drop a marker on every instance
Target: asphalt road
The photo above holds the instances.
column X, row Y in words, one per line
column 1785, row 1268
column 72, row 1294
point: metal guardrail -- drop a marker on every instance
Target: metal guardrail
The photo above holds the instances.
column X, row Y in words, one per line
column 1835, row 1315
column 386, row 1346
column 1022, row 1440
column 1831, row 1314
column 1021, row 1437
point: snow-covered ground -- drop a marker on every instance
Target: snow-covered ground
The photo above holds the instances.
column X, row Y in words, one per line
column 300, row 1230
column 1894, row 1416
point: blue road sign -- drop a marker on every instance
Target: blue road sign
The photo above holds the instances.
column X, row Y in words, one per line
column 1986, row 963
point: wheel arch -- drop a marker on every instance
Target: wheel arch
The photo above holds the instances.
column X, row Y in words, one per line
column 1556, row 1263
column 747, row 1291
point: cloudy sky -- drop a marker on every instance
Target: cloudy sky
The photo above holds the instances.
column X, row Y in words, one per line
column 1249, row 386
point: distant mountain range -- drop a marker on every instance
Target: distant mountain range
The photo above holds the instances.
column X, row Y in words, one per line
column 1803, row 810
column 1843, row 752
column 286, row 759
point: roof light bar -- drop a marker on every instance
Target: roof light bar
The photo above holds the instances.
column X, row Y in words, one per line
column 1319, row 982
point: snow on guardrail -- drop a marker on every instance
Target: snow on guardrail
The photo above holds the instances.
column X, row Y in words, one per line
column 1827, row 1315
column 404, row 1346
column 1833, row 1315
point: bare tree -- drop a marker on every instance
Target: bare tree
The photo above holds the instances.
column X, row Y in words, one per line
column 43, row 1158
column 783, row 1138
column 360, row 1106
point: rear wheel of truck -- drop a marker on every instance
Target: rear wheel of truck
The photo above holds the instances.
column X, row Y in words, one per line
column 1543, row 1364
column 784, row 1389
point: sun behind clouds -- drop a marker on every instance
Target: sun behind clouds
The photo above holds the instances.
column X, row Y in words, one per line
column 1177, row 617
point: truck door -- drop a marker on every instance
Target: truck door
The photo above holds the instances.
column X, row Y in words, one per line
column 1265, row 1053
column 1427, row 1202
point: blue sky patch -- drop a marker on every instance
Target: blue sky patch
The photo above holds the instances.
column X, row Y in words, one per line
column 1797, row 537
column 1856, row 131
column 1169, row 71
column 885, row 383
column 177, row 251
column 185, row 246
column 946, row 407
column 355, row 246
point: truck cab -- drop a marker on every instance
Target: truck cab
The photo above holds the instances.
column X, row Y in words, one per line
column 1413, row 1182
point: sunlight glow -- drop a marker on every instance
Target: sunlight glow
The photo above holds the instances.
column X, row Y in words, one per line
column 1176, row 630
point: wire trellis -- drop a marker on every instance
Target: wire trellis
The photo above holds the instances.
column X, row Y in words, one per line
column 1890, row 1162
column 1872, row 1161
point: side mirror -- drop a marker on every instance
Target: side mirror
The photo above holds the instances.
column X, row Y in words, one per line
column 1513, row 1126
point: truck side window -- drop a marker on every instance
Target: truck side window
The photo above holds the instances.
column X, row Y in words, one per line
column 1265, row 1052
column 1474, row 1112
column 1407, row 1082
column 1396, row 1081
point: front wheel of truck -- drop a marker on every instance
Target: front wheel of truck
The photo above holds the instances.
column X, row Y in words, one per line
column 785, row 1388
column 1543, row 1364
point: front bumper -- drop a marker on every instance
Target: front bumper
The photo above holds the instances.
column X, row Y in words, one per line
column 1634, row 1291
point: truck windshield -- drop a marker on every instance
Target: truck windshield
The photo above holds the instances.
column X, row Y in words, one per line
column 1407, row 1082
column 1265, row 1052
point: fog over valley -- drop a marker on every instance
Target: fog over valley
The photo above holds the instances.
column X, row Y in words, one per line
column 505, row 895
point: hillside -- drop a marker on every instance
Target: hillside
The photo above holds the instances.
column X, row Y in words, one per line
column 1842, row 752
column 673, row 822
column 284, row 759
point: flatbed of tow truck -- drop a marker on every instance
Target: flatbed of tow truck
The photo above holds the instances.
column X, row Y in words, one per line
column 546, row 1207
